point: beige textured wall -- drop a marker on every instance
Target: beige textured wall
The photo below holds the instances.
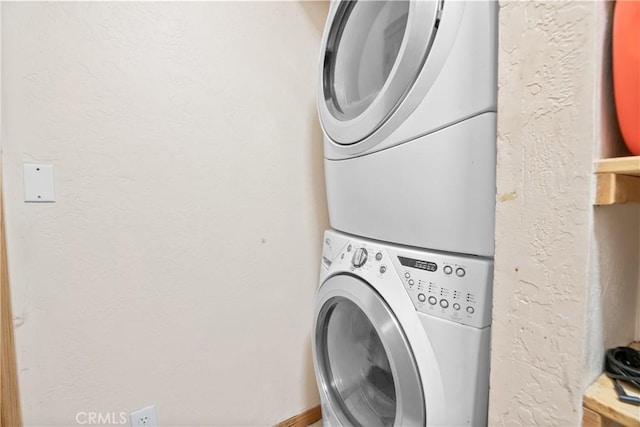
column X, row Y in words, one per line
column 179, row 263
column 566, row 273
column 546, row 134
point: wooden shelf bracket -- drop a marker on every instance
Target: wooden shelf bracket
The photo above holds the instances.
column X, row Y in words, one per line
column 613, row 189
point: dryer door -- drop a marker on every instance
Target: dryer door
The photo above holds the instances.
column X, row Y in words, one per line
column 365, row 366
column 373, row 52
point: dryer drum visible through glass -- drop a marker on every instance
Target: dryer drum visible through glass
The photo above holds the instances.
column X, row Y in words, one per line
column 366, row 74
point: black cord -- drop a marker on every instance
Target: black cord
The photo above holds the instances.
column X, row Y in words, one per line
column 623, row 363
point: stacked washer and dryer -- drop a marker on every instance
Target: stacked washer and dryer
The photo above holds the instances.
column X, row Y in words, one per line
column 407, row 102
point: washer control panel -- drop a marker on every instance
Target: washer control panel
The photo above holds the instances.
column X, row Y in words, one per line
column 457, row 288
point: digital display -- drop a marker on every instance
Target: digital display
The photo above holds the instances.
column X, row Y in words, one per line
column 419, row 264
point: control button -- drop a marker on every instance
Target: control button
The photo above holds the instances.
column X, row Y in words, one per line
column 470, row 310
column 456, row 306
column 410, row 282
column 349, row 248
column 432, row 300
column 422, row 298
column 383, row 269
column 359, row 257
column 379, row 256
column 448, row 269
column 444, row 303
column 407, row 274
column 460, row 272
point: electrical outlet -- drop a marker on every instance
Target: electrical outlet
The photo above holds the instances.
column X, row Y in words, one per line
column 145, row 417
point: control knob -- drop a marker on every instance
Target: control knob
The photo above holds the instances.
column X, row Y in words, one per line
column 359, row 257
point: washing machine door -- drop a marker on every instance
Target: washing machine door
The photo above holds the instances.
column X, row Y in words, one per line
column 365, row 367
column 373, row 52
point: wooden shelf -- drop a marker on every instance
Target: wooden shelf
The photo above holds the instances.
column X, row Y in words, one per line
column 620, row 165
column 602, row 399
column 618, row 181
column 602, row 406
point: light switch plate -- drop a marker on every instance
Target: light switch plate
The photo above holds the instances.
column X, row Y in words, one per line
column 38, row 183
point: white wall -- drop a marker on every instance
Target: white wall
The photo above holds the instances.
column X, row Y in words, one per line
column 546, row 135
column 179, row 262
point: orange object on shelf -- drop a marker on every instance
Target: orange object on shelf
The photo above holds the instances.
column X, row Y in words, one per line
column 626, row 70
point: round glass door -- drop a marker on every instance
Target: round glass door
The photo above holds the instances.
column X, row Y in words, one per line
column 373, row 53
column 366, row 367
column 360, row 366
column 368, row 37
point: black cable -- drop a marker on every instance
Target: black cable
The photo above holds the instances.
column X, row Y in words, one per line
column 623, row 363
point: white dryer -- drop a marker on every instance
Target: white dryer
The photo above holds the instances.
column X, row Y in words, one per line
column 401, row 336
column 407, row 100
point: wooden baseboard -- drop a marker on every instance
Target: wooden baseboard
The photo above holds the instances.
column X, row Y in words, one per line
column 303, row 419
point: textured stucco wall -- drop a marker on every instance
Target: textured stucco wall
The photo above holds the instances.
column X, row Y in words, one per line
column 179, row 263
column 546, row 133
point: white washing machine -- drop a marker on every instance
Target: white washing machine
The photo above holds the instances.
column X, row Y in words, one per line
column 401, row 336
column 407, row 101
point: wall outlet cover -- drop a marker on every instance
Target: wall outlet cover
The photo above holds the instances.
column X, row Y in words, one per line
column 146, row 417
column 38, row 183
